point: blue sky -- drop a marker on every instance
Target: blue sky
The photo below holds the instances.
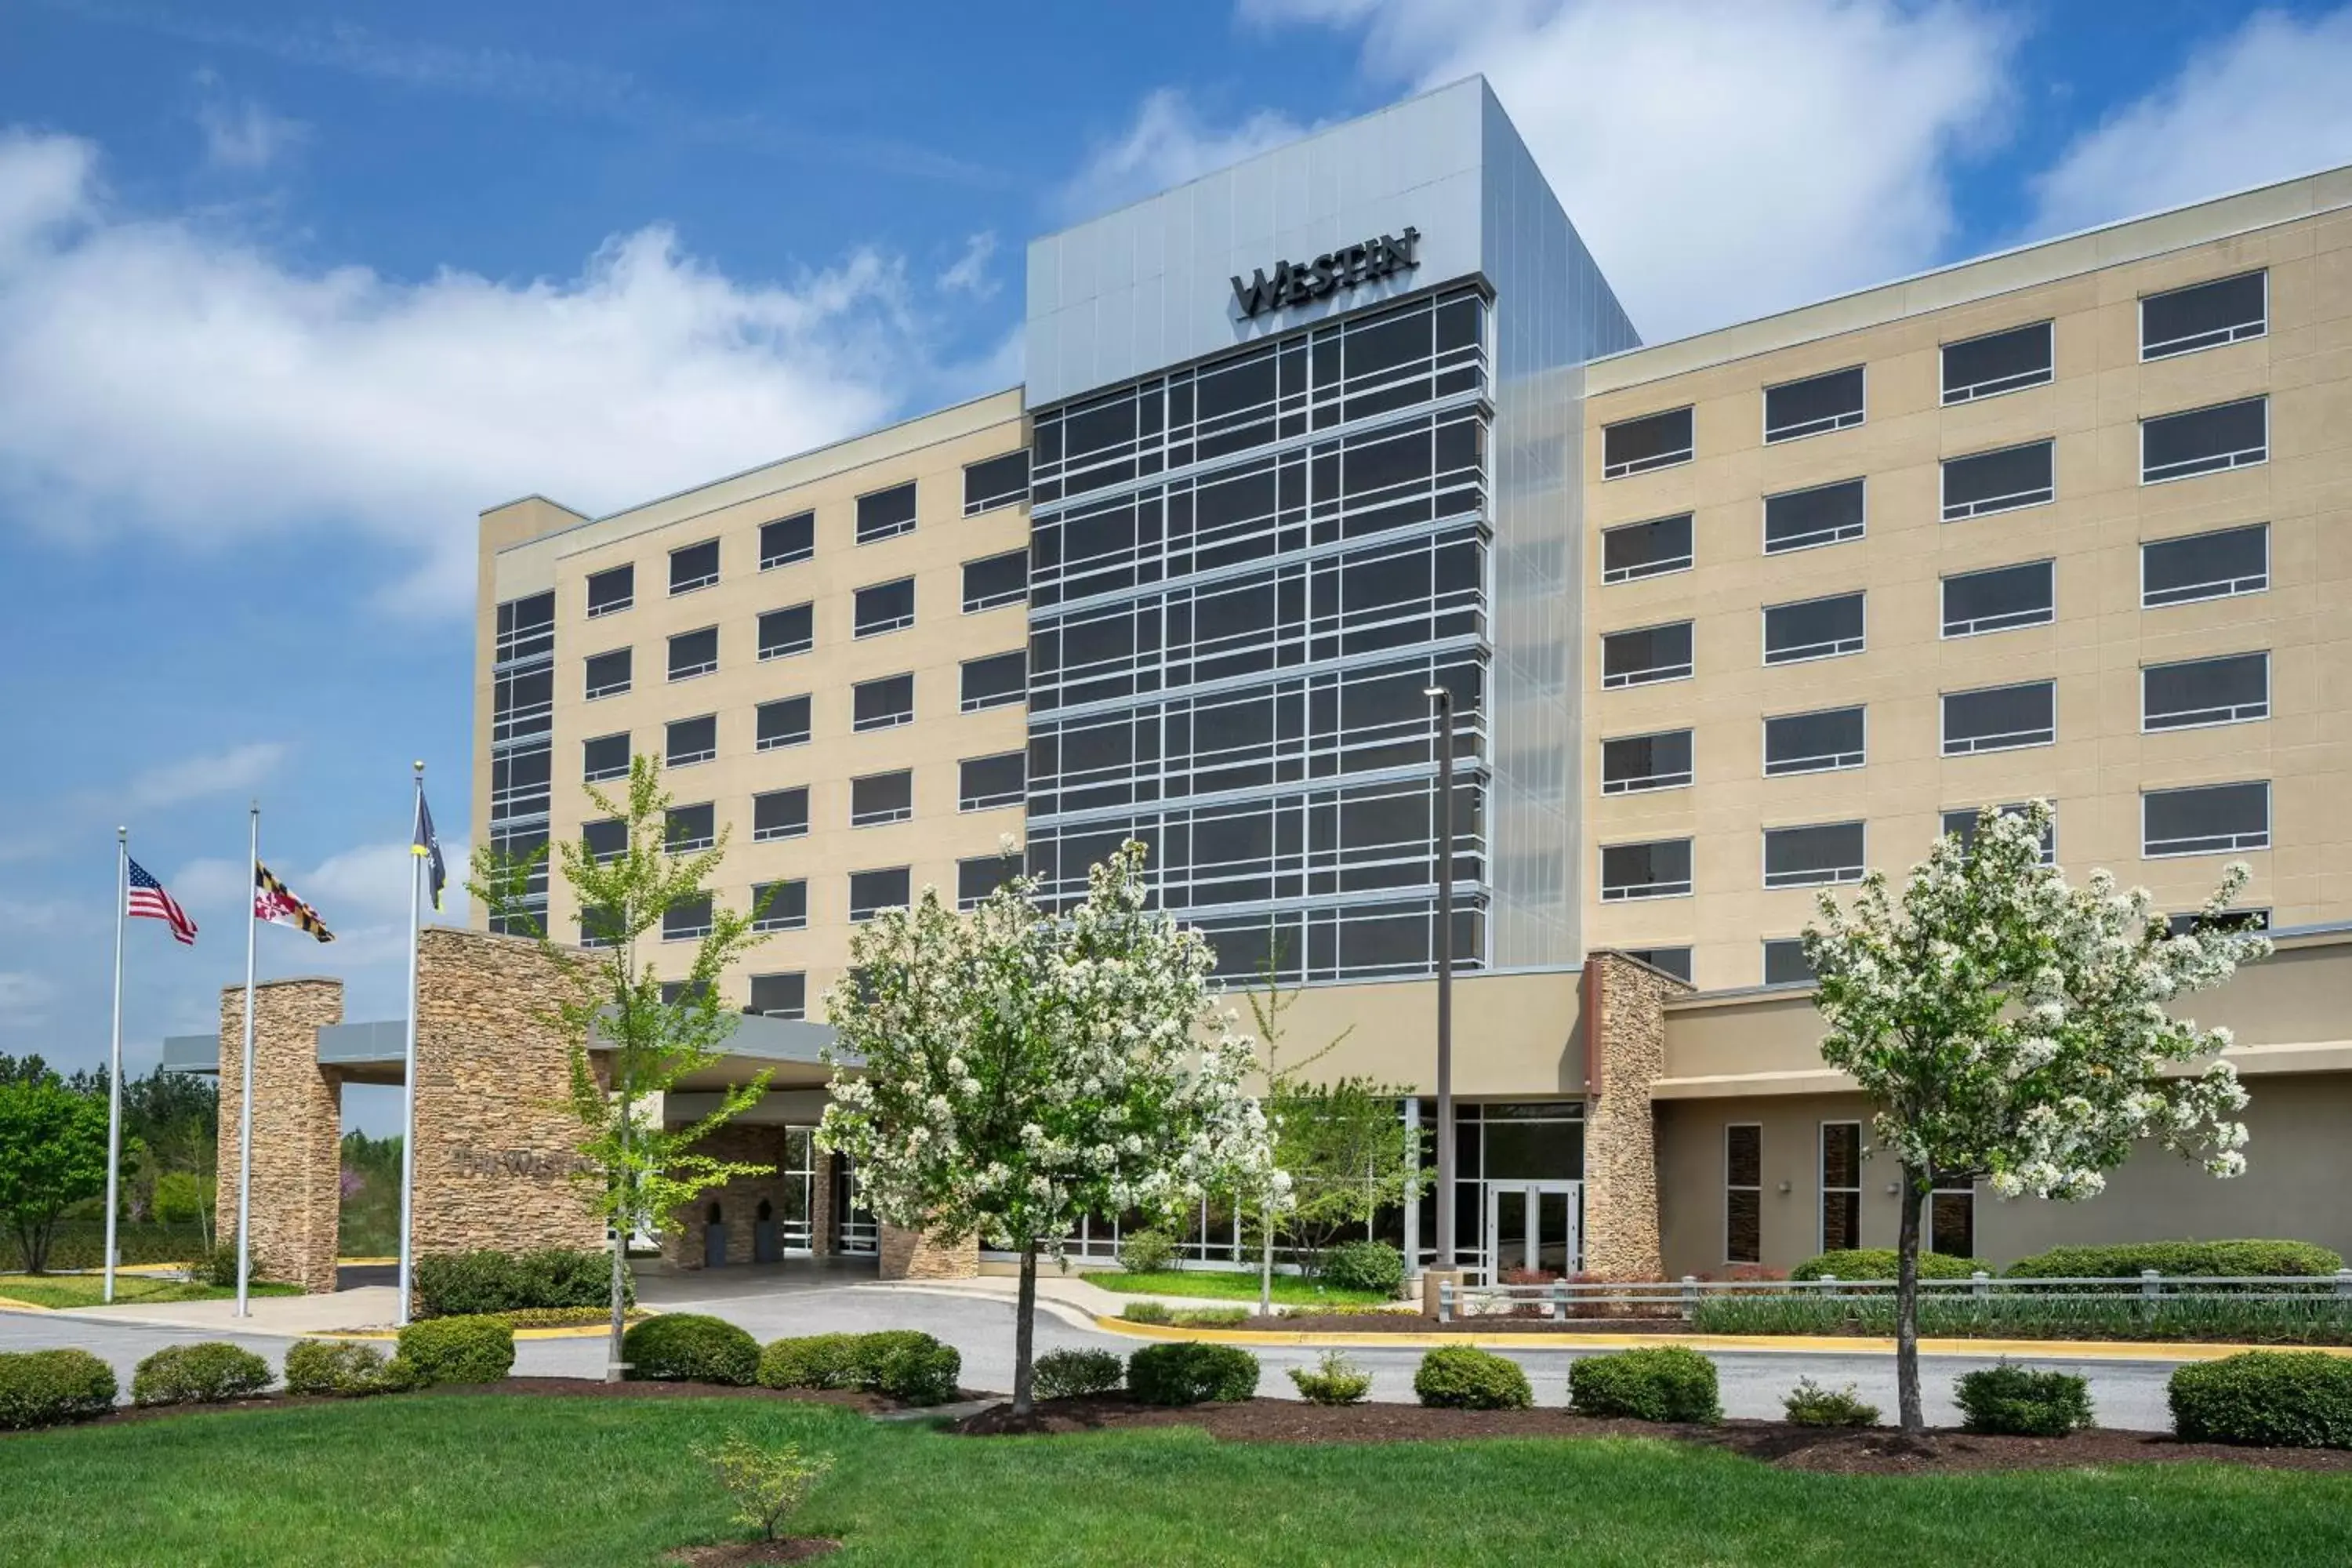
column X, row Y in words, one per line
column 288, row 292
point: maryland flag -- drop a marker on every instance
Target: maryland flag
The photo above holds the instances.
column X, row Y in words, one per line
column 273, row 902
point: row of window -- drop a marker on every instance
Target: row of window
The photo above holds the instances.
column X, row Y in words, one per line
column 982, row 783
column 2178, row 322
column 991, row 681
column 783, row 905
column 1950, row 1217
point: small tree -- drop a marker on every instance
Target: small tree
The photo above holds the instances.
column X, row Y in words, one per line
column 647, row 1034
column 52, row 1154
column 1022, row 1070
column 2010, row 1028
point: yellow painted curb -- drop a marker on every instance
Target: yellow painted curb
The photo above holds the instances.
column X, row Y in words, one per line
column 11, row 1302
column 1768, row 1344
column 364, row 1262
column 569, row 1332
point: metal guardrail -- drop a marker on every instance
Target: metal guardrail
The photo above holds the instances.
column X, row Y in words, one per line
column 1681, row 1297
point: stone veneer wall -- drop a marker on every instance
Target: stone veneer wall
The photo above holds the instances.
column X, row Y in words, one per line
column 1626, row 1035
column 911, row 1255
column 298, row 1129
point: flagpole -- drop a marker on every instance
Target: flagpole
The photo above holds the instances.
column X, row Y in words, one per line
column 245, row 1103
column 114, row 1060
column 408, row 1069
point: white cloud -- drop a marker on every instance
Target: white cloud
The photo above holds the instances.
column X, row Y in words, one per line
column 245, row 137
column 192, row 778
column 161, row 377
column 362, row 893
column 2265, row 103
column 1722, row 160
column 970, row 274
column 1168, row 143
column 24, row 997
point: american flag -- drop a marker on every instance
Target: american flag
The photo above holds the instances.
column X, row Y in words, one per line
column 148, row 899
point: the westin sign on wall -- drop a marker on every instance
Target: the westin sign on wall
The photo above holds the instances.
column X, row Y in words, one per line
column 1296, row 283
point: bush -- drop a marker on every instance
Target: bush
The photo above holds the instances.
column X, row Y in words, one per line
column 1147, row 1251
column 47, row 1388
column 476, row 1284
column 2294, row 1399
column 2221, row 1260
column 768, row 1484
column 218, row 1267
column 1459, row 1377
column 1372, row 1265
column 1189, row 1374
column 688, row 1347
column 812, row 1361
column 907, row 1366
column 1075, row 1374
column 1144, row 1312
column 336, row 1367
column 1337, row 1381
column 1810, row 1405
column 454, row 1349
column 1669, row 1383
column 1879, row 1263
column 2017, row 1402
column 210, row 1372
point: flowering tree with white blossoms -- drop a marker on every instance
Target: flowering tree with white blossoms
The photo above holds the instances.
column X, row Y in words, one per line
column 2011, row 1028
column 1022, row 1069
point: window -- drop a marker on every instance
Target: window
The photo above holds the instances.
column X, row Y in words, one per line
column 995, row 580
column 2000, row 481
column 1841, row 1185
column 781, row 814
column 686, row 922
column 1645, row 548
column 2000, row 599
column 881, row 704
column 608, row 673
column 878, row 799
column 788, row 631
column 612, row 590
column 997, row 482
column 884, row 607
column 696, row 566
column 526, row 628
column 1825, row 514
column 2210, row 819
column 2204, row 315
column 1962, row 820
column 1674, row 961
column 2204, row 440
column 787, row 540
column 1813, row 406
column 676, row 992
column 1999, row 361
column 983, row 875
column 1812, row 628
column 1813, row 856
column 599, row 926
column 780, row 906
column 1743, row 1192
column 1952, row 1221
column 1659, row 869
column 1635, row 763
column 693, row 653
column 689, row 828
column 1653, row 441
column 2235, row 690
column 1785, row 963
column 886, row 513
column 871, row 892
column 2196, row 922
column 986, row 783
column 993, row 682
column 1816, row 743
column 2217, row 565
column 605, row 757
column 2000, row 718
column 692, row 741
column 779, row 996
column 783, row 722
column 1650, row 654
column 605, row 839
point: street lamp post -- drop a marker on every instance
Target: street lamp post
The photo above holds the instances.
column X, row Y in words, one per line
column 1443, row 699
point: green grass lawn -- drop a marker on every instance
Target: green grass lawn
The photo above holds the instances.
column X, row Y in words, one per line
column 502, row 1479
column 1217, row 1285
column 90, row 1289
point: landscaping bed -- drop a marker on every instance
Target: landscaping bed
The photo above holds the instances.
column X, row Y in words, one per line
column 1415, row 1324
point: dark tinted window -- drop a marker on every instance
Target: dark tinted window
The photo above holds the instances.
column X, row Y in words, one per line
column 1999, row 718
column 995, row 580
column 1645, row 548
column 1743, row 1197
column 787, row 540
column 612, row 590
column 1651, row 653
column 1812, row 628
column 1997, row 363
column 886, row 513
column 983, row 875
column 1784, row 961
column 787, row 631
column 689, row 828
column 1813, row 406
column 694, row 653
column 608, row 673
column 1813, row 856
column 1999, row 599
column 779, row 906
column 988, row 782
column 1655, row 871
column 684, row 922
column 780, row 814
column 2216, row 819
column 783, row 722
column 605, row 757
column 879, row 704
column 780, row 996
column 1963, row 821
column 1814, row 742
column 2204, row 566
column 881, row 797
column 886, row 607
column 1674, row 961
column 1825, row 514
column 2000, row 481
column 2198, row 922
column 1653, row 441
column 2203, row 315
column 1645, row 761
column 998, row 678
column 999, row 481
column 526, row 627
column 692, row 741
column 871, row 892
column 2229, row 690
column 2204, row 440
column 606, row 839
column 696, row 566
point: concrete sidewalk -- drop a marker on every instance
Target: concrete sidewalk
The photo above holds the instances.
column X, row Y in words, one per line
column 277, row 1317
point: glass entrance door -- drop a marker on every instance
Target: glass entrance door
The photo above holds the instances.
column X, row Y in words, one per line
column 1534, row 1227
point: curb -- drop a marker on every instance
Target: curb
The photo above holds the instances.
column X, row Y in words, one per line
column 10, row 1303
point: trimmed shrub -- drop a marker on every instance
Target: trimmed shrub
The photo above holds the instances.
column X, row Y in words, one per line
column 48, row 1388
column 1372, row 1265
column 812, row 1361
column 475, row 1284
column 1075, row 1374
column 918, row 1370
column 1668, row 1384
column 210, row 1372
column 1461, row 1377
column 2213, row 1260
column 2286, row 1399
column 1146, row 1312
column 904, row 1364
column 1191, row 1374
column 1879, row 1263
column 1146, row 1251
column 1335, row 1381
column 342, row 1368
column 690, row 1347
column 218, row 1267
column 1810, row 1405
column 454, row 1349
column 2019, row 1401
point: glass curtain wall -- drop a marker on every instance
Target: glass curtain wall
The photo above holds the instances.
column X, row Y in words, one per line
column 522, row 728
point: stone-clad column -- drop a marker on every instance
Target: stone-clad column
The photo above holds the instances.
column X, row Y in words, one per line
column 298, row 1129
column 911, row 1255
column 1624, row 1030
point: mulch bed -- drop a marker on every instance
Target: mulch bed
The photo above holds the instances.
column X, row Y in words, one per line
column 729, row 1553
column 1837, row 1451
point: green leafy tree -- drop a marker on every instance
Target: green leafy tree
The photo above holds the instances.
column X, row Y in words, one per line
column 632, row 1036
column 2012, row 1029
column 52, row 1154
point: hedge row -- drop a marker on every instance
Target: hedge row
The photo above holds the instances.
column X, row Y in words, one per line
column 474, row 1284
column 897, row 1363
column 81, row 1244
column 2121, row 1260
